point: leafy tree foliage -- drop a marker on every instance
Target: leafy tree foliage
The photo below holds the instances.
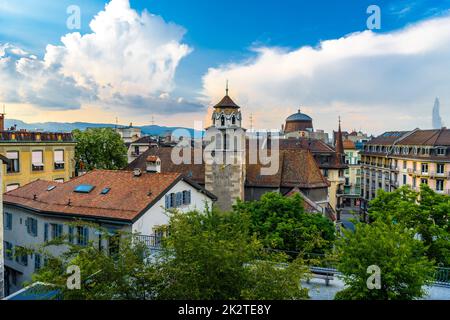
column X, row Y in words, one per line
column 208, row 255
column 425, row 211
column 121, row 275
column 100, row 148
column 393, row 248
column 282, row 223
column 213, row 256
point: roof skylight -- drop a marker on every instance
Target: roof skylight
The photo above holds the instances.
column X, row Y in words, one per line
column 84, row 188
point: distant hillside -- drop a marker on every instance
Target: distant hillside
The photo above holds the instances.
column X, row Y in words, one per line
column 68, row 127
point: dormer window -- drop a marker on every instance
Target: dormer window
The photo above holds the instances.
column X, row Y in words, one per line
column 405, row 150
column 222, row 121
column 233, row 120
column 440, row 151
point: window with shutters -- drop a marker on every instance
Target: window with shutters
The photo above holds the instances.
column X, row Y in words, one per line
column 46, row 232
column 37, row 262
column 37, row 160
column 8, row 250
column 32, row 226
column 71, row 234
column 59, row 159
column 13, row 165
column 187, row 197
column 21, row 257
column 56, row 230
column 82, row 236
column 7, row 221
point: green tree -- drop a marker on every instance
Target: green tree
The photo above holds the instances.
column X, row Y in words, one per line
column 104, row 276
column 212, row 256
column 100, row 148
column 282, row 223
column 208, row 255
column 404, row 269
column 425, row 211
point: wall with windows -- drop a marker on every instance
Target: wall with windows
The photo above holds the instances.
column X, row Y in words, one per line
column 2, row 170
column 24, row 228
column 157, row 216
column 32, row 161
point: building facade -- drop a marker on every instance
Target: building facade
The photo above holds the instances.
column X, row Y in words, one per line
column 37, row 155
column 129, row 133
column 132, row 202
column 352, row 175
column 412, row 158
column 3, row 162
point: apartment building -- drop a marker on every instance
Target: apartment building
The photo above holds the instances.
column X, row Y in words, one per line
column 398, row 158
column 352, row 175
column 132, row 202
column 3, row 162
column 36, row 155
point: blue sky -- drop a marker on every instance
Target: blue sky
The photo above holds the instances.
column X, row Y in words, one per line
column 219, row 32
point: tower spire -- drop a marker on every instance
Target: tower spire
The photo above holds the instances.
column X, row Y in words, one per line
column 339, row 142
column 226, row 89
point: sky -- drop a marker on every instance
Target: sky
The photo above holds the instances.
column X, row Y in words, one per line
column 167, row 61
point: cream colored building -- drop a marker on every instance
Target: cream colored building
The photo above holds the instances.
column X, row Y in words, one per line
column 36, row 155
column 411, row 158
column 352, row 175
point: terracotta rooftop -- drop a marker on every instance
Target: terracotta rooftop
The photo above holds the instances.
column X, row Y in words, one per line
column 128, row 197
column 297, row 168
column 436, row 137
column 387, row 138
column 349, row 145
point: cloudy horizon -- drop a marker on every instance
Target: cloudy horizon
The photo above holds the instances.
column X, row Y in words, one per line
column 135, row 64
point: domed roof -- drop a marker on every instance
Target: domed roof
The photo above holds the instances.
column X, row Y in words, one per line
column 299, row 117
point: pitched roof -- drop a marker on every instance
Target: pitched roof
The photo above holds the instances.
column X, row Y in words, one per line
column 318, row 148
column 297, row 168
column 387, row 138
column 435, row 137
column 128, row 197
column 144, row 139
column 195, row 172
column 226, row 102
column 349, row 144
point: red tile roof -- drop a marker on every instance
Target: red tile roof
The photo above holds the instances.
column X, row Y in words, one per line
column 297, row 168
column 129, row 196
column 349, row 145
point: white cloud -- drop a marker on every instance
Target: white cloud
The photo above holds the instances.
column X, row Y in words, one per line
column 372, row 80
column 128, row 59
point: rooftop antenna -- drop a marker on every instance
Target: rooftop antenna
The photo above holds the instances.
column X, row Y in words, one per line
column 4, row 110
column 226, row 89
column 117, row 122
column 153, row 120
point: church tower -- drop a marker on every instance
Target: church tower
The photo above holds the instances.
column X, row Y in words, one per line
column 225, row 170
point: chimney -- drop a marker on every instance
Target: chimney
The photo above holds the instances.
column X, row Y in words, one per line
column 2, row 122
column 153, row 164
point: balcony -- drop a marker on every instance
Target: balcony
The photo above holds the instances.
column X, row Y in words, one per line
column 152, row 242
column 394, row 168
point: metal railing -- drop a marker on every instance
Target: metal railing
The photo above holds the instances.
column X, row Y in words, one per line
column 153, row 242
column 442, row 277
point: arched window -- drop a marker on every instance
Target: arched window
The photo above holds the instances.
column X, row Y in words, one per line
column 222, row 120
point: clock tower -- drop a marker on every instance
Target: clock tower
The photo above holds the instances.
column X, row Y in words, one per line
column 225, row 168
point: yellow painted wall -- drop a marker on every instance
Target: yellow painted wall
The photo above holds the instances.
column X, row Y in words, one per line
column 26, row 174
